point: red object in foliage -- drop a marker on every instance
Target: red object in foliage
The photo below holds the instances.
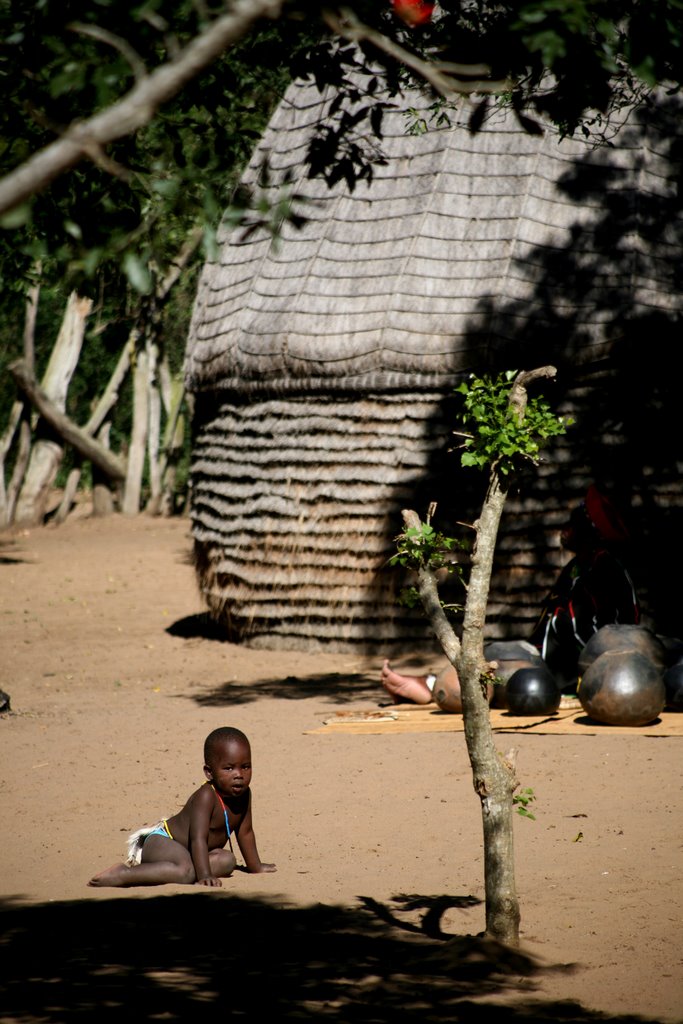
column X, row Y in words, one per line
column 413, row 12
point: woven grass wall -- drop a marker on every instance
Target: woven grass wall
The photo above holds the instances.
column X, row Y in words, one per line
column 295, row 504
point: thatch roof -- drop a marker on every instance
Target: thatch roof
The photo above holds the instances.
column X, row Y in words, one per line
column 391, row 285
column 321, row 364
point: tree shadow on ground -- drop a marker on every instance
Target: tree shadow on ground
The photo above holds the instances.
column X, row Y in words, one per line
column 336, row 687
column 193, row 957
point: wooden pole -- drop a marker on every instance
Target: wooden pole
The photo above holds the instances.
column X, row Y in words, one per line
column 46, row 453
column 138, row 437
column 64, row 426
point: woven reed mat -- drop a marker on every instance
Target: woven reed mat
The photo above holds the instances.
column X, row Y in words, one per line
column 570, row 720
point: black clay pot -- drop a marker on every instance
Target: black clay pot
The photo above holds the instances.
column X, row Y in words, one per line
column 532, row 691
column 673, row 686
column 622, row 688
column 623, row 638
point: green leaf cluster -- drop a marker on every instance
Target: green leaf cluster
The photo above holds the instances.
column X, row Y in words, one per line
column 495, row 436
column 425, row 547
column 521, row 802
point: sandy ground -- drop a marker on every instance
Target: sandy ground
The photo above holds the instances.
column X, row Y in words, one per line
column 376, row 906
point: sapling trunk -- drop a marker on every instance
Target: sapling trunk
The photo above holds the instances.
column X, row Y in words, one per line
column 493, row 776
column 493, row 779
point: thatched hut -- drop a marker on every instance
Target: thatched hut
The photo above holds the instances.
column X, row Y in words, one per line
column 322, row 365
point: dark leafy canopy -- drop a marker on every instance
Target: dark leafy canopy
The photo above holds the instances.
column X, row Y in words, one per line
column 573, row 61
column 106, row 230
column 181, row 169
column 136, row 208
column 597, row 50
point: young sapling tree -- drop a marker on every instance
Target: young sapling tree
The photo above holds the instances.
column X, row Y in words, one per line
column 504, row 429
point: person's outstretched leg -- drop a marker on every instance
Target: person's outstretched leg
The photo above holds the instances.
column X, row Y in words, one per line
column 405, row 689
column 164, row 861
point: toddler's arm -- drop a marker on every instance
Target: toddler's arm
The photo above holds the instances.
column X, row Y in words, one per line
column 198, row 839
column 247, row 844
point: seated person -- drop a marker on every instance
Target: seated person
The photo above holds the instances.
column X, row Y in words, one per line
column 593, row 590
column 407, row 689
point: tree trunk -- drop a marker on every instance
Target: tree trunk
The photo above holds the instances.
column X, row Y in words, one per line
column 494, row 781
column 20, row 462
column 107, row 401
column 70, row 489
column 154, row 429
column 102, row 496
column 47, row 452
column 172, row 445
column 20, row 415
column 138, row 439
column 6, row 440
column 110, row 395
column 166, row 384
column 64, row 428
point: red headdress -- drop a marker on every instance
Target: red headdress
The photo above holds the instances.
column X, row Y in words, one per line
column 605, row 517
column 413, row 12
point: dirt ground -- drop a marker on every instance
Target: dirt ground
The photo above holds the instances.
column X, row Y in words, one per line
column 376, row 906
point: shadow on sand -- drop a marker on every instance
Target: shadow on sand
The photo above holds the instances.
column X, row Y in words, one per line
column 336, row 687
column 198, row 627
column 205, row 956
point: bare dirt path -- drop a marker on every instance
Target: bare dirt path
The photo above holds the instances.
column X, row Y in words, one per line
column 374, row 910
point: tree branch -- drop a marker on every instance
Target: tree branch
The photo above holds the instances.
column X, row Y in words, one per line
column 429, row 595
column 74, row 435
column 136, row 108
column 122, row 45
column 443, row 77
column 518, row 398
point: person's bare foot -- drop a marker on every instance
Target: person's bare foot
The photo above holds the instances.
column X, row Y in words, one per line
column 117, row 875
column 405, row 689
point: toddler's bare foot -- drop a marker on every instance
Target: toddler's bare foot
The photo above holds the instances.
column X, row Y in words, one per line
column 118, row 875
column 405, row 689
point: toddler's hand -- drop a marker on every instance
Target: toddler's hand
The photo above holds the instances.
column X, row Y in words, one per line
column 209, row 881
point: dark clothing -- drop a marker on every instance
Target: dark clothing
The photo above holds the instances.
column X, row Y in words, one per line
column 590, row 592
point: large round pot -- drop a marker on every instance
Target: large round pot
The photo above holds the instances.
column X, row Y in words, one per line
column 622, row 688
column 673, row 686
column 618, row 637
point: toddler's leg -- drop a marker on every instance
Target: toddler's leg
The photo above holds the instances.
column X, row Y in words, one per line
column 222, row 863
column 163, row 861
